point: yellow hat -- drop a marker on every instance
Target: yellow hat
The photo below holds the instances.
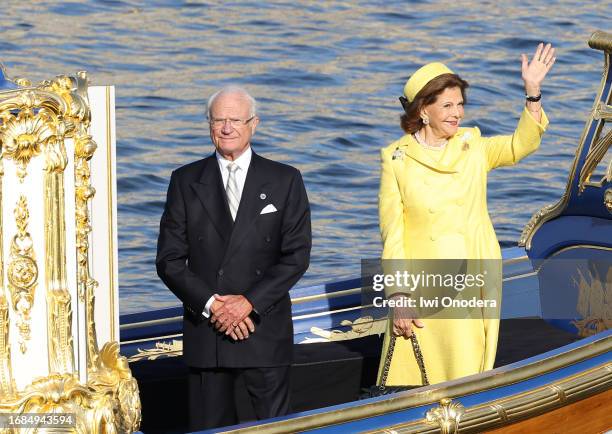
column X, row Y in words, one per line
column 422, row 76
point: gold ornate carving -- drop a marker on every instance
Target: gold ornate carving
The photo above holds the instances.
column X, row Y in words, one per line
column 602, row 111
column 446, row 416
column 106, row 405
column 84, row 149
column 596, row 153
column 608, row 192
column 363, row 326
column 22, row 272
column 112, row 375
column 24, row 135
column 162, row 349
column 533, row 222
column 35, row 121
column 107, row 370
column 594, row 302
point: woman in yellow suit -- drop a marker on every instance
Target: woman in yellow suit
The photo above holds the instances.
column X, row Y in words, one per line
column 432, row 205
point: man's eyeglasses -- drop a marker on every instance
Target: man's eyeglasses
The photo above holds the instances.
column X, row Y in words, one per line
column 235, row 123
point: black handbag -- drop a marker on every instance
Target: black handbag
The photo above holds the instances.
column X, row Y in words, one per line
column 382, row 389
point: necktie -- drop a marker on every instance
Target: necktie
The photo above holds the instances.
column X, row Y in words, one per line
column 233, row 193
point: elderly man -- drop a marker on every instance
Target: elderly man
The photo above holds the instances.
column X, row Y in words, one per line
column 234, row 238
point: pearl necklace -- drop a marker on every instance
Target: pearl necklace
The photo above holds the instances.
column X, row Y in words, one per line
column 426, row 145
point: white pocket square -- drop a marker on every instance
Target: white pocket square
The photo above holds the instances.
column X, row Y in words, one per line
column 268, row 209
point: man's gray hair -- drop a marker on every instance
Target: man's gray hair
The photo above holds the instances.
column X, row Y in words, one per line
column 233, row 89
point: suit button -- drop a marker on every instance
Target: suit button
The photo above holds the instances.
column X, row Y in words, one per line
column 432, row 210
column 268, row 239
column 432, row 237
column 258, row 272
column 220, row 272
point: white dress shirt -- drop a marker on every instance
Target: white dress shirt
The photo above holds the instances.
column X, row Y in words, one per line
column 243, row 163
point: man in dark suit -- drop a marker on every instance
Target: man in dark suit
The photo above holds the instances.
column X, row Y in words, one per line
column 234, row 238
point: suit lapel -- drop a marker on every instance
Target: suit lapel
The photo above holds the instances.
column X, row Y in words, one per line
column 211, row 193
column 250, row 204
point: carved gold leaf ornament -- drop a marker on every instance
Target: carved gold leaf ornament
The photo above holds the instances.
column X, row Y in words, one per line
column 22, row 272
column 23, row 138
column 92, row 405
column 594, row 302
column 360, row 327
column 161, row 350
column 446, row 416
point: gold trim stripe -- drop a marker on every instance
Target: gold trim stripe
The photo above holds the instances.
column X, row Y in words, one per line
column 111, row 214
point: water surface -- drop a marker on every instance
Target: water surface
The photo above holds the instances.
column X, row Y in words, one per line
column 327, row 76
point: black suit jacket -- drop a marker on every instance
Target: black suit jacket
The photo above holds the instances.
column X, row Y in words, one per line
column 200, row 251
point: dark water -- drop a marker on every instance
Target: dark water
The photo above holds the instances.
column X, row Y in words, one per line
column 327, row 76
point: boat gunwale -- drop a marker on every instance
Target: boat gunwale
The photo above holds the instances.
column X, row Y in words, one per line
column 514, row 373
column 515, row 408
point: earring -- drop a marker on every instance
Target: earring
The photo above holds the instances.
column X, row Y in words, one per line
column 425, row 120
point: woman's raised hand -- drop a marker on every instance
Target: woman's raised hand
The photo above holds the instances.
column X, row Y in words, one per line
column 533, row 72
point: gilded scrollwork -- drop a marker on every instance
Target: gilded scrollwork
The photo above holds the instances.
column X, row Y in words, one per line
column 112, row 374
column 161, row 350
column 533, row 223
column 361, row 327
column 22, row 272
column 23, row 138
column 84, row 192
column 95, row 406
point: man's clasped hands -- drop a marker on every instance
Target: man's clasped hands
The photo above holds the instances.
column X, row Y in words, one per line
column 230, row 315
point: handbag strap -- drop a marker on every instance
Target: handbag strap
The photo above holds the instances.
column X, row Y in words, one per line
column 417, row 354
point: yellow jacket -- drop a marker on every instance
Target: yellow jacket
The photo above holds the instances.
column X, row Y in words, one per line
column 432, row 209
